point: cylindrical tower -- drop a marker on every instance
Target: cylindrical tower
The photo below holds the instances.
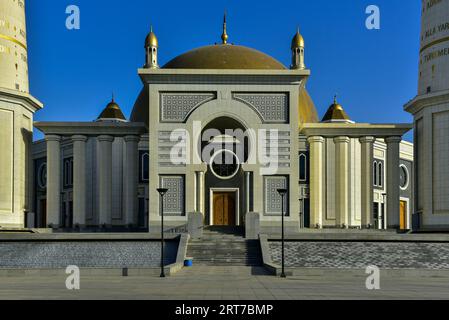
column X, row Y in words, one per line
column 434, row 51
column 13, row 46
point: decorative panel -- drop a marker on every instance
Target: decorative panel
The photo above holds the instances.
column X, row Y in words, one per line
column 440, row 162
column 174, row 200
column 271, row 107
column 272, row 199
column 6, row 161
column 176, row 107
column 276, row 148
column 172, row 149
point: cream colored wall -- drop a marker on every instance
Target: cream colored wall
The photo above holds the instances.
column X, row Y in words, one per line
column 13, row 44
column 15, row 143
column 223, row 106
column 434, row 66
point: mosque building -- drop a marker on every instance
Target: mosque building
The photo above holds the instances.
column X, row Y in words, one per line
column 223, row 128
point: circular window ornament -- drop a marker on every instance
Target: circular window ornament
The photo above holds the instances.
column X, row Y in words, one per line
column 225, row 164
column 403, row 177
column 42, row 176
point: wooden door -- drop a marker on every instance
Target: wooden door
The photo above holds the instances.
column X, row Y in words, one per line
column 224, row 209
column 403, row 215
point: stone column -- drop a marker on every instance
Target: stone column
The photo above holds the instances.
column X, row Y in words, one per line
column 248, row 191
column 53, row 180
column 105, row 180
column 200, row 192
column 79, row 180
column 342, row 181
column 131, row 179
column 393, row 195
column 367, row 181
column 316, row 181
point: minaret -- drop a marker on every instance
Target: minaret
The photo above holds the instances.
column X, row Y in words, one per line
column 430, row 109
column 151, row 48
column 298, row 52
column 17, row 108
column 13, row 46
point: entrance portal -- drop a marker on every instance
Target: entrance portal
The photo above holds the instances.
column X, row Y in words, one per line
column 224, row 208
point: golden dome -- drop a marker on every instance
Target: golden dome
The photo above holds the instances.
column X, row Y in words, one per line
column 336, row 113
column 224, row 56
column 298, row 41
column 306, row 108
column 112, row 112
column 141, row 109
column 151, row 40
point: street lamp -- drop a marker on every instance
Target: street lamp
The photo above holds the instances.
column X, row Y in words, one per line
column 283, row 193
column 162, row 193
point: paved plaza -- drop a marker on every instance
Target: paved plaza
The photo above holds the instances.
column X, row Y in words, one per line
column 231, row 283
column 350, row 255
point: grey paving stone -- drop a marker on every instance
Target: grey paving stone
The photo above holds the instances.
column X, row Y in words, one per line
column 350, row 255
column 133, row 254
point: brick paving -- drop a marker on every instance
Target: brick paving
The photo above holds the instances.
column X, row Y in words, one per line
column 108, row 254
column 351, row 255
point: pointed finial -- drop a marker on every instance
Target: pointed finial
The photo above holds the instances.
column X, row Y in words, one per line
column 151, row 28
column 335, row 98
column 225, row 36
column 112, row 96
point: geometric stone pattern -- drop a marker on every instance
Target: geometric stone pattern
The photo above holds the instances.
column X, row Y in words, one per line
column 175, row 107
column 107, row 254
column 359, row 255
column 174, row 199
column 272, row 107
column 273, row 201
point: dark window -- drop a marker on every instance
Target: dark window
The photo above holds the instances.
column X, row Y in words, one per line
column 68, row 172
column 381, row 177
column 302, row 167
column 42, row 176
column 144, row 166
column 403, row 177
column 375, row 173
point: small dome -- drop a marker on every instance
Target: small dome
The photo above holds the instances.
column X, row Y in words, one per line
column 112, row 112
column 225, row 57
column 336, row 113
column 151, row 40
column 298, row 41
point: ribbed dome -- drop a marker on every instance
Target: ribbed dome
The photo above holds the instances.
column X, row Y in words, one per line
column 224, row 56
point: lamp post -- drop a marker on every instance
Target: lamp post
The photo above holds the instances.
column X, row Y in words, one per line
column 283, row 193
column 162, row 193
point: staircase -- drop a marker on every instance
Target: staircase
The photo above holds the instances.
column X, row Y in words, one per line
column 224, row 246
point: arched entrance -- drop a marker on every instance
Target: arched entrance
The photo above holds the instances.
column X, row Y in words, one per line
column 225, row 147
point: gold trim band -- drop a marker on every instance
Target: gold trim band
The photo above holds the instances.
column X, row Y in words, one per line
column 2, row 36
column 427, row 46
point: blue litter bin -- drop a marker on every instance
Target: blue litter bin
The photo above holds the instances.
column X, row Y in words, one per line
column 188, row 263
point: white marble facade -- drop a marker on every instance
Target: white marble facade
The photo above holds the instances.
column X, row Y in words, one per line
column 104, row 174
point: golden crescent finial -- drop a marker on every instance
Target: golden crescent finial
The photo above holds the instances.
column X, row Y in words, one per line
column 224, row 36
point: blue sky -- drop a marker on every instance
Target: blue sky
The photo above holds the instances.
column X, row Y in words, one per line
column 374, row 72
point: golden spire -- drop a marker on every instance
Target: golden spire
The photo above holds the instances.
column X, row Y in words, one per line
column 224, row 36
